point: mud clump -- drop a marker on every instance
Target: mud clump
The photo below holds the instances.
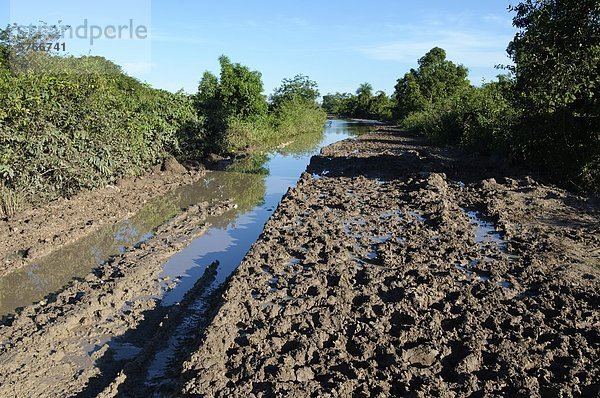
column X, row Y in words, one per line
column 441, row 279
column 171, row 165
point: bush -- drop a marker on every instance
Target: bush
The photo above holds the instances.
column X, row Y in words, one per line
column 478, row 118
column 297, row 116
column 80, row 123
column 362, row 105
column 238, row 116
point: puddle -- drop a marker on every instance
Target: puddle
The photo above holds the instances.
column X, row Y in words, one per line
column 485, row 231
column 418, row 216
column 52, row 273
column 479, row 275
column 124, row 351
column 273, row 283
column 228, row 239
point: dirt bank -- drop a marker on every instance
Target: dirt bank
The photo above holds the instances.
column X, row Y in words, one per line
column 410, row 270
column 37, row 232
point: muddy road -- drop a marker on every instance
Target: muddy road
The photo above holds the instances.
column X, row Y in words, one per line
column 396, row 268
column 393, row 268
column 119, row 304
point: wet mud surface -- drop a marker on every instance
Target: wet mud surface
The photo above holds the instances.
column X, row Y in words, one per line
column 396, row 268
column 35, row 233
column 393, row 268
column 75, row 342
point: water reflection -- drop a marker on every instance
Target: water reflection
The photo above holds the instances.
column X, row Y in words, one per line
column 256, row 184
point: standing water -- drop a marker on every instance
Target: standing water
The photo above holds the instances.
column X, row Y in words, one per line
column 227, row 241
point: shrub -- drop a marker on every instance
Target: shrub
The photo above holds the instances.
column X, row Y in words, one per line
column 78, row 123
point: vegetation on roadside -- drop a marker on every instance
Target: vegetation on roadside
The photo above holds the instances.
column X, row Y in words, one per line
column 239, row 116
column 545, row 113
column 68, row 123
column 362, row 105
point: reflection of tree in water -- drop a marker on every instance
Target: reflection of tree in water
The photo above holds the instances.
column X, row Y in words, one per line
column 52, row 273
column 303, row 144
column 251, row 164
column 245, row 190
column 299, row 146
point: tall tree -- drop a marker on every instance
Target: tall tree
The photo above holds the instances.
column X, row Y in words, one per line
column 556, row 56
column 299, row 87
column 436, row 79
column 237, row 93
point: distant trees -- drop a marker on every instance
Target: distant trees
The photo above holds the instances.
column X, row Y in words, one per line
column 363, row 104
column 337, row 104
column 237, row 114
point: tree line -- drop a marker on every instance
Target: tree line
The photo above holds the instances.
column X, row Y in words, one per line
column 544, row 112
column 73, row 123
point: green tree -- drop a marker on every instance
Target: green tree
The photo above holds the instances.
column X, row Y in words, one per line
column 556, row 56
column 235, row 98
column 241, row 90
column 362, row 101
column 299, row 87
column 337, row 103
column 380, row 107
column 208, row 103
column 435, row 80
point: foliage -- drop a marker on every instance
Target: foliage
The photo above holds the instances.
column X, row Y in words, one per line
column 68, row 124
column 556, row 56
column 10, row 202
column 298, row 116
column 299, row 87
column 337, row 104
column 238, row 116
column 435, row 80
column 232, row 104
column 545, row 114
column 362, row 105
column 479, row 118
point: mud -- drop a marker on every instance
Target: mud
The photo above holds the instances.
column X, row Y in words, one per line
column 71, row 342
column 37, row 232
column 396, row 268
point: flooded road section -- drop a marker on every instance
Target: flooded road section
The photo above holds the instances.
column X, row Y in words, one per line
column 123, row 304
column 256, row 185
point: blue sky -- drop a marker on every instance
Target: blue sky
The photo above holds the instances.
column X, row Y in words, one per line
column 338, row 43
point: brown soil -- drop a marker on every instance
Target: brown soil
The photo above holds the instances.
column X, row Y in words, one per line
column 37, row 232
column 372, row 280
column 377, row 288
column 66, row 346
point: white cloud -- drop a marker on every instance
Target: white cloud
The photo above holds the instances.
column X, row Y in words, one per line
column 473, row 49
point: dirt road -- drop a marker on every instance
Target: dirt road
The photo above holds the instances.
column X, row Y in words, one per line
column 411, row 270
column 394, row 268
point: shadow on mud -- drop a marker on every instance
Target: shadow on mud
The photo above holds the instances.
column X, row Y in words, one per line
column 407, row 162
